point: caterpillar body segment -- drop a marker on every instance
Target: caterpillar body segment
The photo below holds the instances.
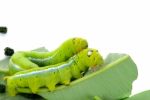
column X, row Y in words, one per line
column 24, row 60
column 50, row 76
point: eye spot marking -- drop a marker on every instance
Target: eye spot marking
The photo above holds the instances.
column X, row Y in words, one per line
column 90, row 53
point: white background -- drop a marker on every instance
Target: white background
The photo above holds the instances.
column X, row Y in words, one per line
column 121, row 26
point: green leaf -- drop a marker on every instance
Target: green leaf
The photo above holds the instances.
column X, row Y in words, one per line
column 41, row 49
column 112, row 82
column 4, row 96
column 140, row 96
column 4, row 65
column 3, row 69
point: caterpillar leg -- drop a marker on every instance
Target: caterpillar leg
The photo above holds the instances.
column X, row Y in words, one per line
column 51, row 87
column 11, row 87
column 66, row 82
column 33, row 89
column 52, row 80
column 33, row 85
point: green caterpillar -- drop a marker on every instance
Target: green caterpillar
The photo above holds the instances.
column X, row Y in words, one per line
column 31, row 59
column 50, row 76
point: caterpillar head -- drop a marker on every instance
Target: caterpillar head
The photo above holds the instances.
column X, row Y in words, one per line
column 91, row 57
column 79, row 44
